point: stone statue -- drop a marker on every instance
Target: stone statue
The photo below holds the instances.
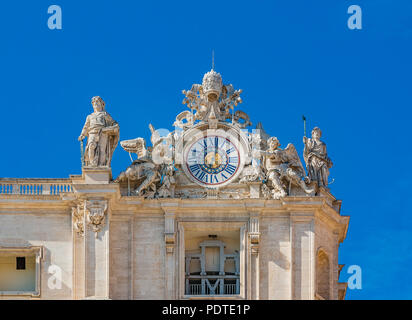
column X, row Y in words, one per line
column 283, row 167
column 102, row 134
column 153, row 170
column 143, row 169
column 316, row 158
column 166, row 189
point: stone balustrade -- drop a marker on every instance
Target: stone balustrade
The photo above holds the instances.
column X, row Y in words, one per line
column 217, row 287
column 34, row 186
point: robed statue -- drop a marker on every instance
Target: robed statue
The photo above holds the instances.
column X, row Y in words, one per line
column 316, row 158
column 102, row 134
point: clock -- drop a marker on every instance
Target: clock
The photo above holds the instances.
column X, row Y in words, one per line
column 213, row 160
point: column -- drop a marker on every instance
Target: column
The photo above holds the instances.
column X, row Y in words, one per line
column 203, row 261
column 182, row 283
column 170, row 254
column 222, row 260
column 253, row 257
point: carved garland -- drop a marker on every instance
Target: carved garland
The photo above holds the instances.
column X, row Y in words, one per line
column 93, row 211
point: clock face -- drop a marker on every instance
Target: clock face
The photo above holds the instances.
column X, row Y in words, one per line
column 212, row 160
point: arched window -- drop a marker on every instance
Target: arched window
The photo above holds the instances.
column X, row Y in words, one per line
column 323, row 275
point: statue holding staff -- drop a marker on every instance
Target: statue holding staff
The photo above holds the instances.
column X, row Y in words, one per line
column 316, row 158
column 102, row 134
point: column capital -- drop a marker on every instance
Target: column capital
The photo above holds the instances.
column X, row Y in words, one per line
column 253, row 230
column 170, row 230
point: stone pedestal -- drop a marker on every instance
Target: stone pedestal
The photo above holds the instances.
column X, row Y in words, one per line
column 99, row 175
column 254, row 189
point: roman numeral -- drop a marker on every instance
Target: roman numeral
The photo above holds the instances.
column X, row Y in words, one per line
column 230, row 169
column 233, row 159
column 215, row 179
column 201, row 175
column 194, row 167
column 229, row 151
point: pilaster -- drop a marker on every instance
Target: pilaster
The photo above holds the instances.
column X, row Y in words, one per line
column 170, row 251
column 253, row 256
column 303, row 256
column 91, row 225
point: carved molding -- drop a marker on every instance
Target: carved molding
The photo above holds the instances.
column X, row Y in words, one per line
column 170, row 240
column 170, row 232
column 95, row 211
column 78, row 218
column 254, row 234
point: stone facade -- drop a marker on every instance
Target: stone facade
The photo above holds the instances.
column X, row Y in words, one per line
column 245, row 222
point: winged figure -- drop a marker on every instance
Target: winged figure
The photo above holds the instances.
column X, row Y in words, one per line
column 283, row 168
column 146, row 170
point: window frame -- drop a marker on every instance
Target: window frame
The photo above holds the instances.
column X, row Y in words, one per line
column 25, row 251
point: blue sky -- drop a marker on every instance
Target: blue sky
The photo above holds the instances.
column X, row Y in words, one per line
column 289, row 57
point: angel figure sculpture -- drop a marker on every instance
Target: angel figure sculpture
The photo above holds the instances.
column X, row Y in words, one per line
column 283, row 167
column 147, row 169
column 316, row 158
column 142, row 170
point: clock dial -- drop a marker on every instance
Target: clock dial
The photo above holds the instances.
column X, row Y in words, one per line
column 212, row 160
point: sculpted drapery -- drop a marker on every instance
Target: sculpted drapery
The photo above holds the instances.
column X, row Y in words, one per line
column 316, row 158
column 102, row 134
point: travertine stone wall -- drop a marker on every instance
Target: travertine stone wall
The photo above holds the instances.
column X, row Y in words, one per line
column 327, row 241
column 129, row 259
column 121, row 237
column 148, row 260
column 53, row 232
column 97, row 263
column 275, row 258
column 303, row 258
